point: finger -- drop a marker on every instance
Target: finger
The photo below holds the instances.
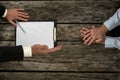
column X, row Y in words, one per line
column 54, row 49
column 44, row 47
column 93, row 26
column 85, row 32
column 82, row 35
column 13, row 23
column 37, row 45
column 87, row 36
column 23, row 13
column 84, row 29
column 81, row 32
column 88, row 40
column 46, row 51
column 98, row 40
column 91, row 41
column 23, row 16
column 22, row 19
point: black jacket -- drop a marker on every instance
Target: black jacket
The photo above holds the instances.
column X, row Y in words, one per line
column 2, row 10
column 10, row 53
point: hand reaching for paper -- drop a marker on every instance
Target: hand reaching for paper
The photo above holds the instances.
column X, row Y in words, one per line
column 16, row 14
column 94, row 34
column 43, row 49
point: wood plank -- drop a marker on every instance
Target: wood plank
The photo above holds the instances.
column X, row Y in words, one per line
column 75, row 56
column 58, row 76
column 68, row 32
column 7, row 32
column 65, row 32
column 71, row 32
column 101, row 9
column 7, row 43
column 82, row 11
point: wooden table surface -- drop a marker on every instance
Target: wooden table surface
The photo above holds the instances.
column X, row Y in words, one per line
column 75, row 61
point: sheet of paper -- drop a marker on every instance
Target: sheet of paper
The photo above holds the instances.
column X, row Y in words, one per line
column 36, row 33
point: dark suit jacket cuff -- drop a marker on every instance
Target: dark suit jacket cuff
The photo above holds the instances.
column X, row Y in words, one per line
column 11, row 53
column 2, row 10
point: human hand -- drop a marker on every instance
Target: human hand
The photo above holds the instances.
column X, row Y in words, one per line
column 94, row 35
column 43, row 49
column 16, row 14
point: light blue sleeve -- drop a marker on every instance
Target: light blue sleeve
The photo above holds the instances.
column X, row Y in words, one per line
column 113, row 21
column 112, row 42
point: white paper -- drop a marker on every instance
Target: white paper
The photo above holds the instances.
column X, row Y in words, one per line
column 36, row 33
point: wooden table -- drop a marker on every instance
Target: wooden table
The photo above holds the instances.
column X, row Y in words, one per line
column 75, row 61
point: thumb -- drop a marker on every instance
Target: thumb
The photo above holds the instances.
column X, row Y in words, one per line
column 93, row 26
column 13, row 23
column 98, row 40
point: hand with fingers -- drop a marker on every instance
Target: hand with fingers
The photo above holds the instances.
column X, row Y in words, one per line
column 94, row 35
column 43, row 49
column 16, row 14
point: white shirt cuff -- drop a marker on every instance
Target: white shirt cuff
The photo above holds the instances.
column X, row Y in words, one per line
column 5, row 13
column 109, row 42
column 27, row 51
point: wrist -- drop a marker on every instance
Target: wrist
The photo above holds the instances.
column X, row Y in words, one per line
column 34, row 50
column 27, row 51
column 104, row 29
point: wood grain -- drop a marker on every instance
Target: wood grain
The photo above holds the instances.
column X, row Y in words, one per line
column 75, row 61
column 67, row 32
column 58, row 76
column 74, row 56
column 82, row 11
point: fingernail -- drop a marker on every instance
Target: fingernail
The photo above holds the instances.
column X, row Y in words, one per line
column 60, row 46
column 84, row 42
column 88, row 44
column 27, row 16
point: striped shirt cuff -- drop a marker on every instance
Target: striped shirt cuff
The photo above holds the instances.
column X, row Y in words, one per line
column 109, row 42
column 27, row 51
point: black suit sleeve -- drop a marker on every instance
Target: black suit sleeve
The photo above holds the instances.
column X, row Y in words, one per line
column 2, row 10
column 11, row 53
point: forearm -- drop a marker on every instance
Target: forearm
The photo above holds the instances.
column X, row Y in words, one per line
column 11, row 53
column 113, row 21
